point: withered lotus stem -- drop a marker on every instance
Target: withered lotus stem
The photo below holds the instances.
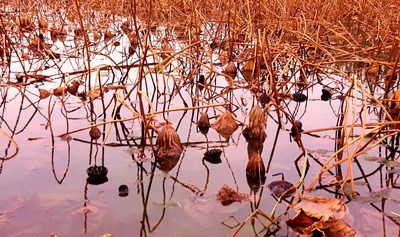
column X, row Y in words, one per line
column 94, row 133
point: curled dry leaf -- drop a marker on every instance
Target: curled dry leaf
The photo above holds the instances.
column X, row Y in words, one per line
column 257, row 123
column 255, row 167
column 43, row 25
column 320, row 207
column 227, row 196
column 95, row 93
column 204, row 123
column 307, row 225
column 223, row 57
column 43, row 94
column 169, row 148
column 225, row 124
column 94, row 133
column 59, row 91
column 250, row 70
column 230, row 70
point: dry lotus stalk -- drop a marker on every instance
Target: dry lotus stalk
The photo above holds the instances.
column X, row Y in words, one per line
column 257, row 123
column 225, row 125
column 255, row 167
column 169, row 148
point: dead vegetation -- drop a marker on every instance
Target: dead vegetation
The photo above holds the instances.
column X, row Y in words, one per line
column 275, row 50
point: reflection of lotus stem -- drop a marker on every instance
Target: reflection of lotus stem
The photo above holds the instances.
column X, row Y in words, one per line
column 138, row 116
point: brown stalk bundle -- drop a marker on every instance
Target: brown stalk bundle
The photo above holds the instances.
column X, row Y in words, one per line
column 225, row 125
column 169, row 148
column 255, row 167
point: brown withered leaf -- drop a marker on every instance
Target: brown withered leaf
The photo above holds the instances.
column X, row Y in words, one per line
column 255, row 167
column 94, row 133
column 302, row 223
column 43, row 94
column 169, row 148
column 225, row 124
column 307, row 225
column 250, row 70
column 227, row 196
column 257, row 123
column 59, row 91
column 230, row 70
column 223, row 57
column 203, row 121
column 95, row 93
column 320, row 207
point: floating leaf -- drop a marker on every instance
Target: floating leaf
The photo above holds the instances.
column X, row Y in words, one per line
column 320, row 207
column 299, row 97
column 94, row 94
column 282, row 188
column 227, row 196
column 307, row 225
column 225, row 124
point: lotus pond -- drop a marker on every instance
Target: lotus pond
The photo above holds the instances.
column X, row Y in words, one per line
column 114, row 125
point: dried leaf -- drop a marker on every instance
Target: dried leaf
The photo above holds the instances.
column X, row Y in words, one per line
column 257, row 123
column 59, row 91
column 255, row 167
column 43, row 94
column 307, row 225
column 223, row 57
column 225, row 124
column 94, row 94
column 94, row 133
column 227, row 196
column 320, row 207
column 169, row 148
column 203, row 121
